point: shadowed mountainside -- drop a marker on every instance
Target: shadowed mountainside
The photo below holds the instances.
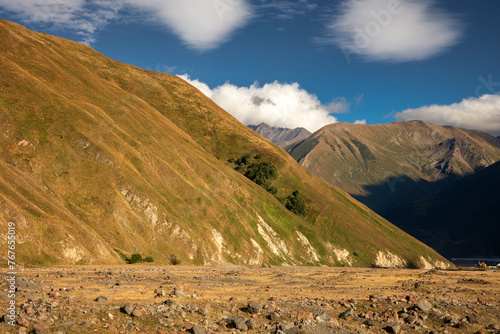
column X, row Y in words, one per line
column 460, row 221
column 389, row 165
column 97, row 157
column 281, row 136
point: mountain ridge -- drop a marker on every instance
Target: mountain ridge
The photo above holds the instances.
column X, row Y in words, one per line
column 428, row 157
column 281, row 136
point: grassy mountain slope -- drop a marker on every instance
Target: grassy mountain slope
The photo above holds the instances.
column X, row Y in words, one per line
column 96, row 155
column 389, row 165
column 461, row 221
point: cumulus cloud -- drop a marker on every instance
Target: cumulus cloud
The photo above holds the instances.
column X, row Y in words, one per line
column 277, row 104
column 361, row 121
column 474, row 113
column 200, row 24
column 79, row 16
column 394, row 30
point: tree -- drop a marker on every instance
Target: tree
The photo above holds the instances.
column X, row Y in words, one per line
column 296, row 204
column 263, row 173
column 245, row 160
column 136, row 258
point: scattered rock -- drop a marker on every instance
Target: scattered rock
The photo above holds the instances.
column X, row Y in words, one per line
column 179, row 293
column 127, row 308
column 254, row 308
column 424, row 305
column 137, row 313
column 393, row 329
column 113, row 329
column 23, row 322
column 101, row 299
column 251, row 324
column 349, row 312
column 198, row 330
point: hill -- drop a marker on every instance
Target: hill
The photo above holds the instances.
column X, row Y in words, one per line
column 390, row 165
column 281, row 136
column 460, row 221
column 100, row 159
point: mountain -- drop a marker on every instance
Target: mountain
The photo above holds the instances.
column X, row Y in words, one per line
column 390, row 165
column 100, row 158
column 460, row 221
column 281, row 136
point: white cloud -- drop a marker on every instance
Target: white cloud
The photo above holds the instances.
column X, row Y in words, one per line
column 201, row 24
column 277, row 104
column 474, row 113
column 80, row 16
column 361, row 121
column 394, row 30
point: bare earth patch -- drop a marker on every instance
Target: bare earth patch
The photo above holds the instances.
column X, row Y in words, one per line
column 231, row 299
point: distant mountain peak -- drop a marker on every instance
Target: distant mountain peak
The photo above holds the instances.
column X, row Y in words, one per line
column 281, row 136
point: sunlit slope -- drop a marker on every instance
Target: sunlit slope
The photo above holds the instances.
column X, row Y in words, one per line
column 96, row 155
column 388, row 165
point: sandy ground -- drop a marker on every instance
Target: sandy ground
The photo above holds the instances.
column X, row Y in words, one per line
column 232, row 299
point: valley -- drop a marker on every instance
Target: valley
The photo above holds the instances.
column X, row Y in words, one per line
column 232, row 299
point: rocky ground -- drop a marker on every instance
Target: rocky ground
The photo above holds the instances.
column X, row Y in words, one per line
column 254, row 300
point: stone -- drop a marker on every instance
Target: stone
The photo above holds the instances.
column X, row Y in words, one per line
column 254, row 308
column 369, row 323
column 322, row 317
column 347, row 313
column 113, row 329
column 273, row 316
column 424, row 305
column 22, row 329
column 23, row 322
column 198, row 330
column 240, row 323
column 84, row 324
column 494, row 327
column 393, row 329
column 411, row 319
column 137, row 313
column 179, row 293
column 101, row 299
column 304, row 315
column 251, row 324
column 128, row 308
column 287, row 326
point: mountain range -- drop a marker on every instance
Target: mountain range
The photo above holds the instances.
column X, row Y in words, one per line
column 100, row 160
column 281, row 136
column 390, row 165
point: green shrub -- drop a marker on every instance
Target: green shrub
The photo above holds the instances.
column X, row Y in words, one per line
column 245, row 160
column 295, row 203
column 149, row 259
column 258, row 156
column 273, row 190
column 174, row 260
column 263, row 173
column 136, row 258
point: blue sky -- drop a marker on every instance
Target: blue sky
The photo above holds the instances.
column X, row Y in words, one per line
column 302, row 63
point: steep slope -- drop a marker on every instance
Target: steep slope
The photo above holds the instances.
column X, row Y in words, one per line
column 281, row 136
column 460, row 221
column 96, row 155
column 389, row 165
